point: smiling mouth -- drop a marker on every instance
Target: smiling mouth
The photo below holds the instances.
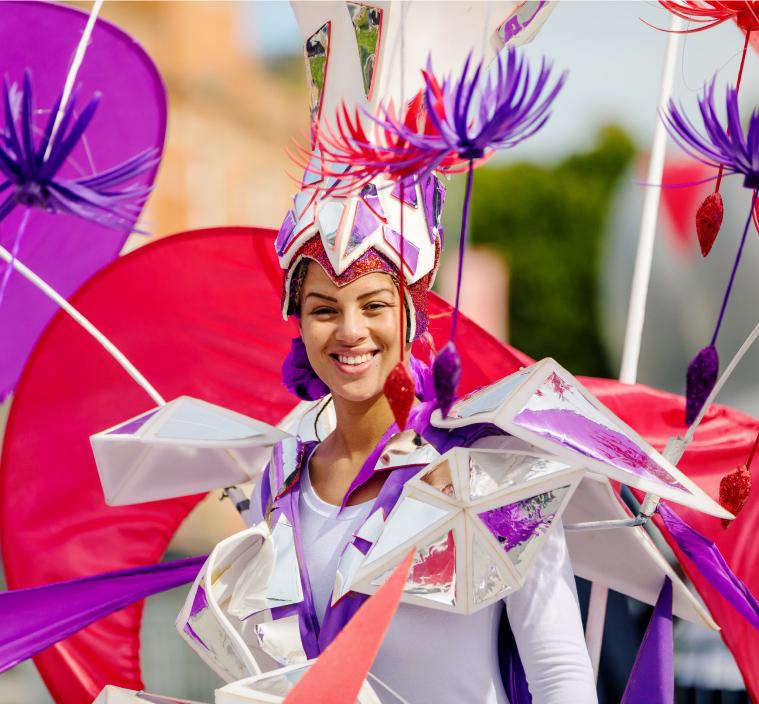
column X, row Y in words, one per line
column 353, row 360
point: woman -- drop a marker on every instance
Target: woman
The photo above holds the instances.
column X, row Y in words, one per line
column 350, row 328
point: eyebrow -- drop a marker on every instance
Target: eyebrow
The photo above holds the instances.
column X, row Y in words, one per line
column 373, row 293
column 321, row 295
column 361, row 297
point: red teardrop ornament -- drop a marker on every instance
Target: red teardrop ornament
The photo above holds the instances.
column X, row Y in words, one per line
column 734, row 490
column 708, row 221
column 400, row 392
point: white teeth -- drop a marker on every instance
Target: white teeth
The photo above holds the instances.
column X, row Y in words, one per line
column 358, row 359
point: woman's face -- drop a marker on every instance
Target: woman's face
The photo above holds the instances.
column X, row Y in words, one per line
column 351, row 333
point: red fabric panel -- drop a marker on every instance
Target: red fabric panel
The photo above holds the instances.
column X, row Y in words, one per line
column 722, row 442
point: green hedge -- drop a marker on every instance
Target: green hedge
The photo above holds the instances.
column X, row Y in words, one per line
column 547, row 222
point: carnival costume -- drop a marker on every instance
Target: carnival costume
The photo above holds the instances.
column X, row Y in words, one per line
column 494, row 477
column 480, row 490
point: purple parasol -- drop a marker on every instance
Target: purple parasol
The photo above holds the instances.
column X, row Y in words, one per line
column 130, row 120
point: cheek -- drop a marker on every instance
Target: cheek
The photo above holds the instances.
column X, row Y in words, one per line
column 314, row 335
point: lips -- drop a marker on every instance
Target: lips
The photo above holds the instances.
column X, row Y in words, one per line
column 355, row 359
column 354, row 363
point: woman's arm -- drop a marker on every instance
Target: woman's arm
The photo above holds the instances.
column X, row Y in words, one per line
column 545, row 619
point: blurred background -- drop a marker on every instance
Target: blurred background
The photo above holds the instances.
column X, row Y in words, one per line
column 554, row 226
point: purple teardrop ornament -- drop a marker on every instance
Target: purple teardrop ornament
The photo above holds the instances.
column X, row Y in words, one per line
column 446, row 374
column 701, row 378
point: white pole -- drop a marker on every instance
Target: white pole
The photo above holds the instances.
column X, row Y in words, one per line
column 68, row 86
column 637, row 311
column 86, row 324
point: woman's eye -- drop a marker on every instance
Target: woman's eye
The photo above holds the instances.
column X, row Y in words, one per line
column 376, row 306
column 322, row 311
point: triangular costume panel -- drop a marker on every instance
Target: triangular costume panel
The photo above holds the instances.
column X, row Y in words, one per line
column 500, row 476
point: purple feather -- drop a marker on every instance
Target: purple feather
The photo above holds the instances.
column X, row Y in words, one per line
column 471, row 117
column 466, row 118
column 727, row 146
column 701, row 378
column 24, row 167
column 446, row 374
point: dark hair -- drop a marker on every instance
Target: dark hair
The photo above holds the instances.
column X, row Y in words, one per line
column 296, row 287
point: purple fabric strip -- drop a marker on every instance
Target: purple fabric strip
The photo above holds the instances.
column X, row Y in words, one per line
column 512, row 670
column 652, row 680
column 36, row 618
column 710, row 563
column 309, row 624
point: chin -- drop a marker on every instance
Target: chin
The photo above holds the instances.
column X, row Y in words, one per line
column 359, row 391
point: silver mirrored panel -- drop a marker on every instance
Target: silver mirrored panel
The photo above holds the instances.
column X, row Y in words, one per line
column 285, row 586
column 488, row 399
column 372, row 527
column 192, row 422
column 287, row 459
column 302, row 200
column 330, row 215
column 406, row 448
column 367, row 22
column 433, row 571
column 491, row 471
column 439, row 477
column 410, row 518
column 520, row 527
column 305, row 221
column 207, row 632
column 280, row 684
column 558, row 412
column 312, row 174
column 317, row 53
column 350, row 561
column 487, row 580
column 281, row 640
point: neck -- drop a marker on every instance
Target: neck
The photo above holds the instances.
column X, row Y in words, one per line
column 360, row 425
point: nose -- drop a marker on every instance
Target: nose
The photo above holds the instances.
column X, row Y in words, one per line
column 352, row 328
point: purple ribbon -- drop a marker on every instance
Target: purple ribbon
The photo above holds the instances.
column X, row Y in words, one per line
column 652, row 680
column 710, row 563
column 38, row 617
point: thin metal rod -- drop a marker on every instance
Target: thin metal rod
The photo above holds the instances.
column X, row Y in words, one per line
column 86, row 324
column 68, row 86
column 603, row 525
column 642, row 271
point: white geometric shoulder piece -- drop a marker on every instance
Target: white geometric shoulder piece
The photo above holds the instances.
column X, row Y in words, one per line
column 118, row 695
column 186, row 447
column 477, row 519
column 310, row 420
column 226, row 618
column 273, row 688
column 545, row 405
column 623, row 559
